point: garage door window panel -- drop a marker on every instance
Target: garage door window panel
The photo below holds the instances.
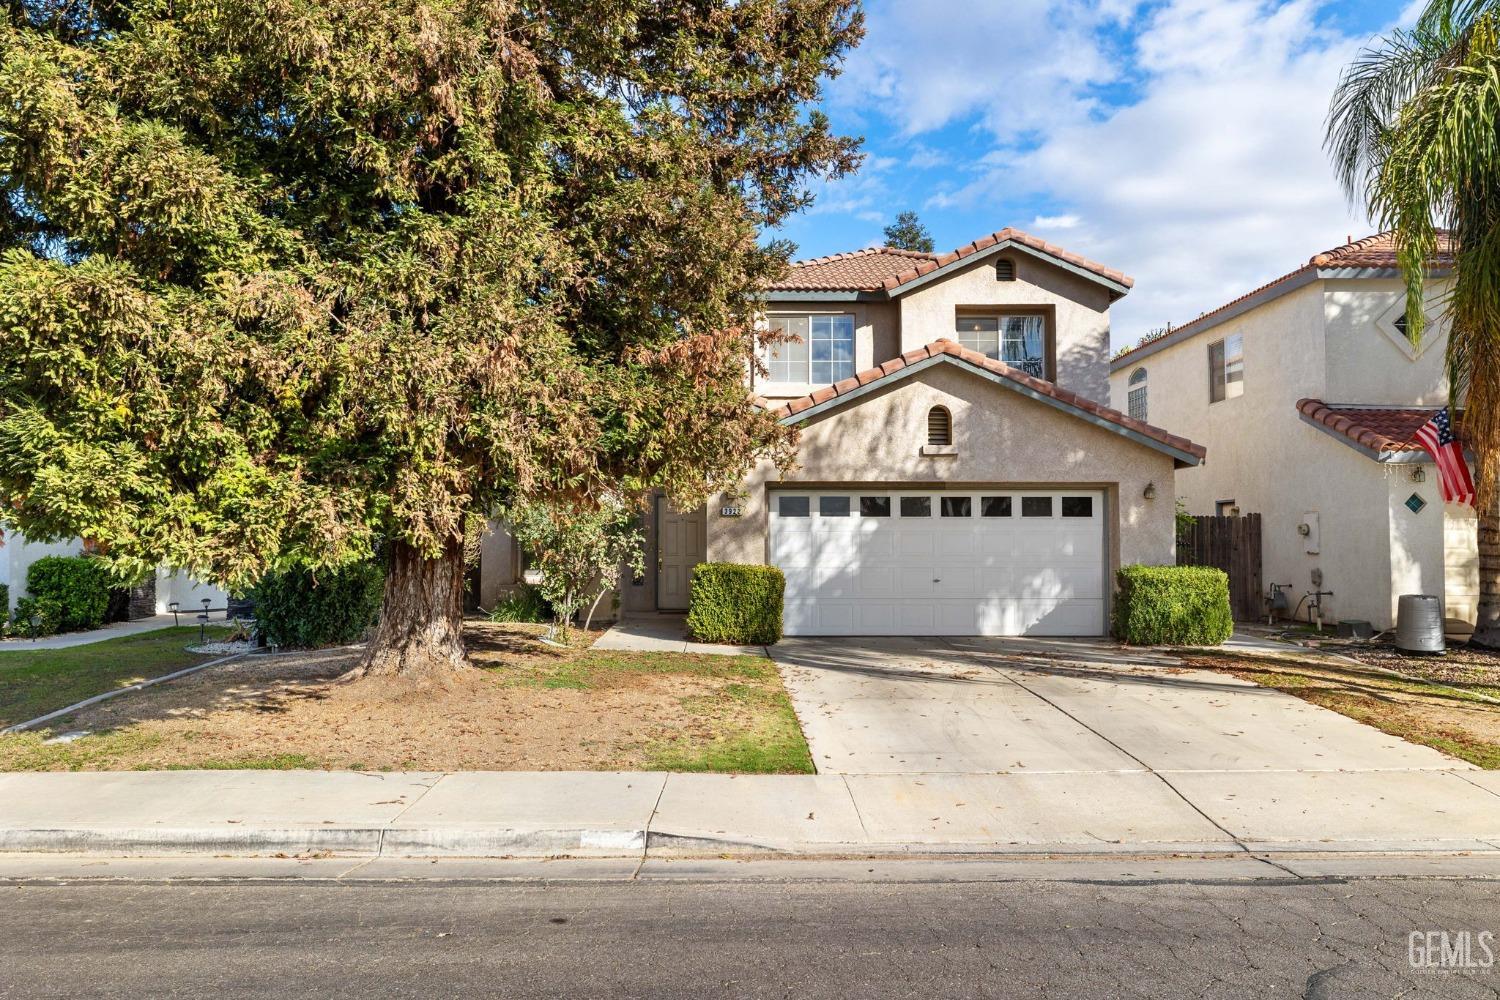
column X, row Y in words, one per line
column 1036, row 506
column 833, row 506
column 874, row 506
column 1077, row 506
column 956, row 506
column 994, row 507
column 794, row 506
column 916, row 506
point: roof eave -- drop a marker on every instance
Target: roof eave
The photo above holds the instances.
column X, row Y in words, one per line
column 1182, row 459
column 830, row 295
column 1285, row 285
column 1384, row 456
column 1117, row 290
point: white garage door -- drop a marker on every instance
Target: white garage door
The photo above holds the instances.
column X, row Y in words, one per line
column 988, row 562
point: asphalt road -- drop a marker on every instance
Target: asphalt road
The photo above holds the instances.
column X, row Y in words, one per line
column 782, row 939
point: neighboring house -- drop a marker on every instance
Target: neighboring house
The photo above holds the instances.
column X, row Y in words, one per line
column 956, row 474
column 17, row 554
column 1306, row 393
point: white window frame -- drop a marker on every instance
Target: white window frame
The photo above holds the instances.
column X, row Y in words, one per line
column 1136, row 402
column 793, row 361
column 993, row 343
column 1226, row 371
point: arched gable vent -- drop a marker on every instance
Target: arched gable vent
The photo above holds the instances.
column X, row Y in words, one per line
column 939, row 426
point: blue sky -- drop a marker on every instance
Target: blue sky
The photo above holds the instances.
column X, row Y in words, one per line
column 1177, row 140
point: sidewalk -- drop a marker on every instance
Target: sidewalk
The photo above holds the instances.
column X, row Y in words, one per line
column 595, row 814
column 663, row 632
column 113, row 630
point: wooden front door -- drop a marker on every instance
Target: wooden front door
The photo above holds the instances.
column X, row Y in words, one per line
column 680, row 546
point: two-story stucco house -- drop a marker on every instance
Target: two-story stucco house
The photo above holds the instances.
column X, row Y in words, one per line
column 1307, row 393
column 957, row 475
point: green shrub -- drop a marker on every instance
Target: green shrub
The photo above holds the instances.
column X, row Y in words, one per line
column 47, row 612
column 1173, row 605
column 77, row 585
column 304, row 609
column 4, row 600
column 524, row 604
column 736, row 603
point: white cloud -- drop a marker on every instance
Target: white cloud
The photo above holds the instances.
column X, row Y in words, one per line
column 1209, row 180
column 1215, row 180
column 1018, row 65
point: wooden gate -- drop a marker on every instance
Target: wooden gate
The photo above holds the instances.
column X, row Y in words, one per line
column 1233, row 545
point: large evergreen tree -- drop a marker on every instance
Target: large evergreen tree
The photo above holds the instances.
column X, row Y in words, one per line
column 908, row 233
column 284, row 281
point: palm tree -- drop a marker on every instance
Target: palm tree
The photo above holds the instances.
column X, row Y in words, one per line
column 1414, row 130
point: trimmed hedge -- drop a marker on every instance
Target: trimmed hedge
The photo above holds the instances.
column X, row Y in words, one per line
column 303, row 610
column 48, row 614
column 77, row 585
column 736, row 603
column 1173, row 605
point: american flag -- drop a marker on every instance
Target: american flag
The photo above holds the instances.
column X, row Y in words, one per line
column 1453, row 472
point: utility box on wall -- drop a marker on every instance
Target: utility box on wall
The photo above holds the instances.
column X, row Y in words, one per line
column 1308, row 529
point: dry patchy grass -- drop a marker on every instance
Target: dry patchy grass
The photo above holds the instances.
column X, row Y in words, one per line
column 529, row 707
column 1445, row 718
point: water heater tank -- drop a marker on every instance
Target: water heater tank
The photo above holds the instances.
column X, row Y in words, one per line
column 1419, row 624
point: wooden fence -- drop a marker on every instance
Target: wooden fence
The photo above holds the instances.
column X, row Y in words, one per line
column 1233, row 545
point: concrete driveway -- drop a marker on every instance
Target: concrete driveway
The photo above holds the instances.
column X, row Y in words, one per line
column 1085, row 740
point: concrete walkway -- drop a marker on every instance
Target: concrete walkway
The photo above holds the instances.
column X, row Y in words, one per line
column 521, row 814
column 664, row 633
column 114, row 630
column 960, row 746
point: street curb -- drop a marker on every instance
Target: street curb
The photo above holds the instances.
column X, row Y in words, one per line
column 500, row 842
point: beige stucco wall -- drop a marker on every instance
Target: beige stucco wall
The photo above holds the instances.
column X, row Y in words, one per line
column 1364, row 362
column 1002, row 438
column 1080, row 314
column 1319, row 341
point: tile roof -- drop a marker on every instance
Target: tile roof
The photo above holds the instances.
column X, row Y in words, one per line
column 947, row 347
column 887, row 269
column 1380, row 429
column 860, row 271
column 1378, row 251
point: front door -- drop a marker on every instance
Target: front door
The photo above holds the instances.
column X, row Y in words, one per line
column 679, row 547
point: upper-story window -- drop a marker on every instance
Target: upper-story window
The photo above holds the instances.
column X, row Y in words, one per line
column 823, row 352
column 1019, row 341
column 1135, row 397
column 1226, row 368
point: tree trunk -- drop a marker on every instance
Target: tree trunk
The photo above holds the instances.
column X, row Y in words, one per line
column 420, row 634
column 1487, row 616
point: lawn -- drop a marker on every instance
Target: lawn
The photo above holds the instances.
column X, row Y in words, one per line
column 1456, row 720
column 34, row 682
column 529, row 707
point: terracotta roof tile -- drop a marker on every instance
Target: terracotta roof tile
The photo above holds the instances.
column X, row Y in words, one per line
column 860, row 271
column 1381, row 429
column 1377, row 251
column 888, row 268
column 948, row 347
